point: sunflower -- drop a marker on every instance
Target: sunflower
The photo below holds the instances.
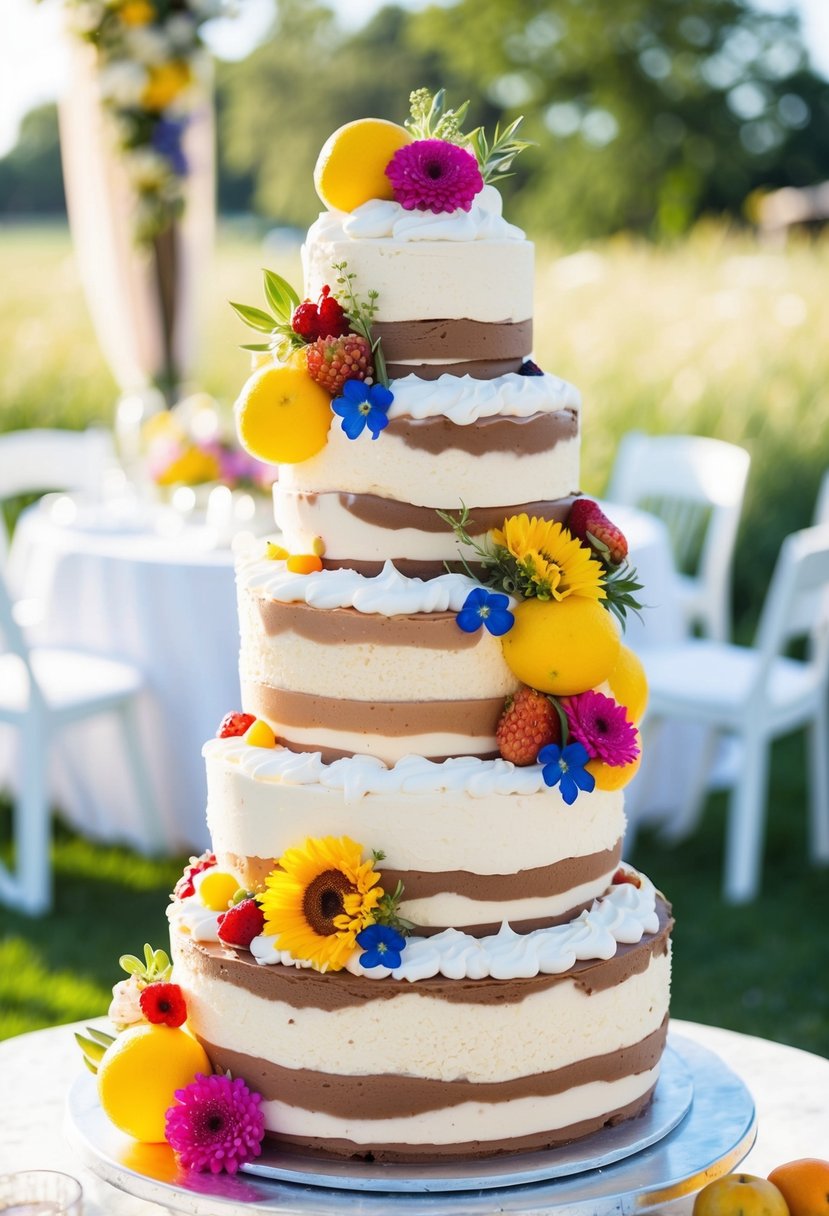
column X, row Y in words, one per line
column 319, row 898
column 554, row 562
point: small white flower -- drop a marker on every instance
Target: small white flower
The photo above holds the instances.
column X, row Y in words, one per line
column 125, row 1007
column 122, row 82
column 147, row 170
column 147, row 45
column 87, row 16
column 181, row 31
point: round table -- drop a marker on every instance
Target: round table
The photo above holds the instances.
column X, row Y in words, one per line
column 790, row 1088
column 136, row 582
column 140, row 584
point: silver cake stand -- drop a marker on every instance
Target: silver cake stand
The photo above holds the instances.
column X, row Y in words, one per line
column 699, row 1126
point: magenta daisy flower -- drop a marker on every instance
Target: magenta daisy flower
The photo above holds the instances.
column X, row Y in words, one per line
column 216, row 1124
column 433, row 175
column 602, row 726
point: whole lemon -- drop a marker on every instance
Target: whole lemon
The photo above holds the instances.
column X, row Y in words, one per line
column 282, row 415
column 629, row 684
column 562, row 646
column 139, row 1074
column 351, row 166
column 740, row 1195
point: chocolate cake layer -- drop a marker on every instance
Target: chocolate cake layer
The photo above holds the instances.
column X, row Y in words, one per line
column 340, row 990
column 391, row 1096
column 448, row 339
column 517, row 436
column 347, row 626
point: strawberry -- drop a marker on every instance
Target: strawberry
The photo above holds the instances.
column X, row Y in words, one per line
column 305, row 321
column 234, row 724
column 623, row 875
column 241, row 923
column 332, row 361
column 586, row 517
column 528, row 723
column 333, row 323
column 184, row 887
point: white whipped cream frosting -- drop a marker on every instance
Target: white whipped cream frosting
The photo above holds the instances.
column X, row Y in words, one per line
column 389, row 593
column 464, row 400
column 357, row 776
column 382, row 219
column 621, row 917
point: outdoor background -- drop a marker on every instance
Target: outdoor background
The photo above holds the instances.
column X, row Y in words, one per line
column 659, row 124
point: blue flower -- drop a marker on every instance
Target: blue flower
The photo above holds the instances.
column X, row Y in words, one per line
column 166, row 139
column 565, row 767
column 382, row 945
column 490, row 608
column 363, row 405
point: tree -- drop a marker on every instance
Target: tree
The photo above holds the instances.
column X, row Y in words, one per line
column 30, row 176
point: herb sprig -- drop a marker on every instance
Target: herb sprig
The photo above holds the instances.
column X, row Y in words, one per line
column 431, row 119
column 361, row 314
column 282, row 298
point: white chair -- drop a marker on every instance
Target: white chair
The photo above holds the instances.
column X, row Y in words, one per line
column 757, row 694
column 43, row 690
column 43, row 459
column 696, row 486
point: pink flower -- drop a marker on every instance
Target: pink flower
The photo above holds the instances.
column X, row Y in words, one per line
column 602, row 726
column 216, row 1124
column 433, row 175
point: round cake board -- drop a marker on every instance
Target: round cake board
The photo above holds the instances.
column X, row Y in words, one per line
column 700, row 1125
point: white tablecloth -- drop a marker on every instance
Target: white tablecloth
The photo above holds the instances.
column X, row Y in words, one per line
column 152, row 590
column 789, row 1087
column 145, row 587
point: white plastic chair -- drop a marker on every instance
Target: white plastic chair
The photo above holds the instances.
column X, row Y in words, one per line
column 758, row 694
column 43, row 459
column 43, row 690
column 696, row 486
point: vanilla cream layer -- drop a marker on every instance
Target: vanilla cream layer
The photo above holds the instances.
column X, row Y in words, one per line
column 367, row 670
column 390, row 468
column 302, row 518
column 423, row 1036
column 459, row 911
column 478, row 280
column 486, row 1122
column 260, row 802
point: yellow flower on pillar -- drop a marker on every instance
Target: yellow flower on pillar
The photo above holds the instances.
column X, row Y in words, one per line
column 137, row 12
column 167, row 81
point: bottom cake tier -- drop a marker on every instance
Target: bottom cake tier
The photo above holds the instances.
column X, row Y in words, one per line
column 406, row 1070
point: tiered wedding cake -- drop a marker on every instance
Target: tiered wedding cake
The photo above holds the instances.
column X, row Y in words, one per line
column 434, row 950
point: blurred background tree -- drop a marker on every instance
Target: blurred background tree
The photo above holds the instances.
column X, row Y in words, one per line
column 646, row 116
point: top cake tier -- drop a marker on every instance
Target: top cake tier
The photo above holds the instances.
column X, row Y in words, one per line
column 454, row 291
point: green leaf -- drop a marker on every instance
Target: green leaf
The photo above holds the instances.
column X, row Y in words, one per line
column 131, row 964
column 100, row 1036
column 256, row 346
column 280, row 294
column 254, row 317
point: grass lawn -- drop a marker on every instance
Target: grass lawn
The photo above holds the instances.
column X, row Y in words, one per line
column 716, row 336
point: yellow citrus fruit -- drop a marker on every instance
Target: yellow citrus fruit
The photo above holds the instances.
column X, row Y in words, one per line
column 282, row 415
column 562, row 646
column 804, row 1185
column 629, row 684
column 615, row 776
column 217, row 888
column 351, row 166
column 740, row 1195
column 139, row 1074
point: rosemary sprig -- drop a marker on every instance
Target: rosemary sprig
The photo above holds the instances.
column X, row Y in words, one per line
column 361, row 315
column 495, row 159
column 387, row 911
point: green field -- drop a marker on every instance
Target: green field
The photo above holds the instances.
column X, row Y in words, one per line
column 716, row 336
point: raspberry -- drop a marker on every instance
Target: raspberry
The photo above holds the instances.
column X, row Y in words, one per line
column 184, row 887
column 587, row 516
column 305, row 321
column 234, row 724
column 528, row 723
column 333, row 323
column 241, row 924
column 332, row 361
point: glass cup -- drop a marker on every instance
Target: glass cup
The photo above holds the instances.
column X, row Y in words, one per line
column 40, row 1193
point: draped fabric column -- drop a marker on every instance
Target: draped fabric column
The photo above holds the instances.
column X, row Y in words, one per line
column 143, row 300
